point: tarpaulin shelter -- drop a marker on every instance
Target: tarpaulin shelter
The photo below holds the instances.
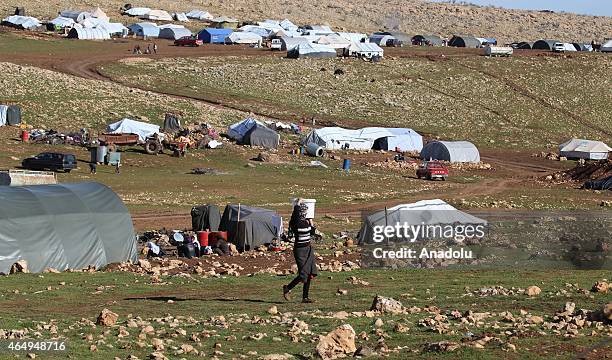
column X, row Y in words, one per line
column 602, row 184
column 288, row 25
column 180, row 17
column 337, row 138
column 157, row 15
column 453, row 151
column 544, row 44
column 259, row 30
column 62, row 22
column 353, row 37
column 335, row 41
column 205, row 217
column 67, row 226
column 466, row 41
column 128, row 126
column 243, row 38
column 174, row 33
column 288, row 43
column 214, row 36
column 383, row 40
column 137, row 11
column 171, row 122
column 88, row 34
column 251, row 132
column 584, row 149
column 21, row 22
column 250, row 227
column 364, row 50
column 224, row 22
column 524, row 45
column 100, row 14
column 76, row 15
column 309, row 50
column 10, row 115
column 199, row 15
column 144, row 29
column 425, row 212
column 433, row 40
column 606, row 47
column 114, row 29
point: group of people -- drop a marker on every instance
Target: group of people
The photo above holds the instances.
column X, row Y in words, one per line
column 150, row 49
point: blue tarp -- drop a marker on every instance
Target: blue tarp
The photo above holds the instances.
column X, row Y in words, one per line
column 238, row 130
column 214, row 36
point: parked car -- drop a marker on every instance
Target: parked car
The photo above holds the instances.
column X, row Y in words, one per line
column 188, row 41
column 50, row 161
column 431, row 170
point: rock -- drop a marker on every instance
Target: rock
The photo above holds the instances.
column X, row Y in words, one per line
column 341, row 315
column 145, row 264
column 273, row 310
column 338, row 343
column 31, row 356
column 342, row 292
column 401, row 328
column 606, row 311
column 569, row 308
column 188, row 349
column 387, row 305
column 364, row 351
column 21, row 266
column 442, row 346
column 379, row 323
column 93, row 348
column 600, row 287
column 533, row 291
column 535, row 319
column 284, row 356
column 157, row 356
column 158, row 344
column 107, row 318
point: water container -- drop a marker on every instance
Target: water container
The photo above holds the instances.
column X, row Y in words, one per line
column 214, row 237
column 102, row 150
column 203, row 238
column 25, row 136
column 314, row 150
column 346, row 165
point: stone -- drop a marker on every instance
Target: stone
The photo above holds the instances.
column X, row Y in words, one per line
column 600, row 287
column 273, row 310
column 535, row 319
column 284, row 356
column 338, row 343
column 379, row 323
column 107, row 318
column 442, row 346
column 158, row 344
column 387, row 305
column 21, row 266
column 157, row 356
column 364, row 351
column 533, row 291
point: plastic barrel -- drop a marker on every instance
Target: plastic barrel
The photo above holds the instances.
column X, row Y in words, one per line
column 314, row 150
column 346, row 165
column 101, row 153
column 25, row 136
column 203, row 238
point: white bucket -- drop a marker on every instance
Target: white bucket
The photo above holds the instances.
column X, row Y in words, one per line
column 310, row 214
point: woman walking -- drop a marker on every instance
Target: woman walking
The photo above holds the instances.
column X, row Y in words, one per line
column 303, row 252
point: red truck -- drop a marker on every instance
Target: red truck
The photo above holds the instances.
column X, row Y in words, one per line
column 188, row 41
column 431, row 170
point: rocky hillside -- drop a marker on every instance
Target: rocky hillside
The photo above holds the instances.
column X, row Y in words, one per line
column 410, row 16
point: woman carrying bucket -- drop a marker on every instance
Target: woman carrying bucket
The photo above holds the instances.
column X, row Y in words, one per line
column 303, row 252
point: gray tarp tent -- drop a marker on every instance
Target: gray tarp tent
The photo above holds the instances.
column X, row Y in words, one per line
column 67, row 226
column 205, row 217
column 260, row 135
column 10, row 115
column 424, row 212
column 453, row 151
column 249, row 227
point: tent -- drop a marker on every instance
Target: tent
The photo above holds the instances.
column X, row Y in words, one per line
column 10, row 115
column 353, row 37
column 214, row 36
column 602, row 184
column 584, row 149
column 335, row 41
column 174, row 33
column 252, row 132
column 99, row 14
column 137, row 11
column 250, row 227
column 466, row 41
column 524, row 45
column 157, row 15
column 205, row 217
column 88, row 34
column 425, row 212
column 261, row 31
column 180, row 17
column 309, row 50
column 487, row 41
column 432, row 40
column 76, row 15
column 239, row 37
column 128, row 126
column 62, row 22
column 21, row 22
column 364, row 50
column 544, row 44
column 583, row 47
column 272, row 25
column 288, row 43
column 401, row 38
column 317, row 30
column 606, row 47
column 144, row 29
column 336, row 138
column 288, row 25
column 199, row 15
column 114, row 29
column 223, row 22
column 383, row 40
column 66, row 226
column 171, row 122
column 565, row 47
column 453, row 151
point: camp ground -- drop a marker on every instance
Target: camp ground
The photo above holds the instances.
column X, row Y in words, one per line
column 185, row 180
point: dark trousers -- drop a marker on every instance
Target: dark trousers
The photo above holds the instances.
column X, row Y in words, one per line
column 298, row 280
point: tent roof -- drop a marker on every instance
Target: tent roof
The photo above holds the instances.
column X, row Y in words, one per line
column 215, row 31
column 138, row 11
column 129, row 126
column 582, row 145
column 365, row 47
column 26, row 22
column 89, row 33
column 243, row 37
column 224, row 19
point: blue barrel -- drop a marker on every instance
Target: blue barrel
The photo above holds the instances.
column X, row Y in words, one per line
column 346, row 165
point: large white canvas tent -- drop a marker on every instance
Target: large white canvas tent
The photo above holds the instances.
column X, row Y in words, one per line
column 88, row 34
column 584, row 149
column 309, row 50
column 144, row 29
column 157, row 15
column 288, row 43
column 138, row 11
column 62, row 22
column 453, row 151
column 128, row 126
column 335, row 41
column 606, row 46
column 336, row 138
column 364, row 50
column 353, row 37
column 199, row 15
column 76, row 15
column 425, row 212
column 113, row 28
column 174, row 33
column 239, row 37
column 22, row 22
column 67, row 226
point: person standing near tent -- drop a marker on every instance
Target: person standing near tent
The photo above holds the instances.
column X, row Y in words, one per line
column 117, row 166
column 303, row 251
column 155, row 48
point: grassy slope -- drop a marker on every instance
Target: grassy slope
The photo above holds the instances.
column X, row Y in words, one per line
column 252, row 296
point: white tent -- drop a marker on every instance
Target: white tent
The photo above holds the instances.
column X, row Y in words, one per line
column 157, row 15
column 366, row 50
column 270, row 25
column 62, row 22
column 288, row 25
column 24, row 22
column 199, row 15
column 261, row 31
column 92, row 22
column 335, row 41
column 137, row 11
column 566, row 47
column 337, row 138
column 99, row 14
column 88, row 34
column 113, row 28
column 310, row 50
column 354, row 37
column 424, row 212
column 607, row 46
column 180, row 17
column 75, row 15
column 239, row 37
column 453, row 151
column 174, row 33
column 288, row 43
column 128, row 126
column 584, row 149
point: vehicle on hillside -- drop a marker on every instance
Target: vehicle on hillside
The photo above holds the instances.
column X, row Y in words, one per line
column 188, row 41
column 276, row 44
column 432, row 170
column 50, row 161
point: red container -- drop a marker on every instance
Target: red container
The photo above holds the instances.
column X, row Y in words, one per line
column 25, row 136
column 203, row 238
column 215, row 236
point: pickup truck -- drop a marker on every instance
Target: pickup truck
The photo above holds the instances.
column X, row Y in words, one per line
column 431, row 170
column 188, row 41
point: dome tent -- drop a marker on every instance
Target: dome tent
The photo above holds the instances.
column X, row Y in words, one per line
column 174, row 33
column 453, row 151
column 88, row 34
column 67, row 226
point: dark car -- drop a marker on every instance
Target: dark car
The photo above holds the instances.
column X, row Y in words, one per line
column 50, row 161
column 431, row 170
